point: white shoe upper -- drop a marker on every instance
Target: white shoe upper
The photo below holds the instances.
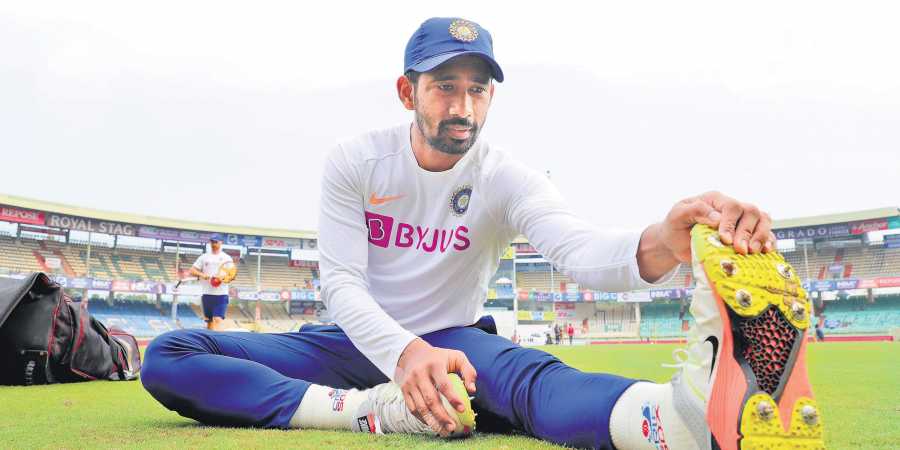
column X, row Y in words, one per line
column 704, row 337
column 388, row 406
column 692, row 385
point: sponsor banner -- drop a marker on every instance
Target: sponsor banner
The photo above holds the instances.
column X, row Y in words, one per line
column 121, row 285
column 52, row 262
column 843, row 285
column 18, row 215
column 866, row 284
column 884, row 282
column 822, row 285
column 168, row 234
column 270, row 296
column 240, row 239
column 892, row 240
column 894, row 222
column 563, row 306
column 272, row 242
column 869, row 225
column 816, row 231
column 147, row 287
column 299, row 263
column 266, row 296
column 90, row 225
column 537, row 315
column 303, row 295
column 79, row 283
column 836, row 268
column 304, row 307
column 509, row 253
column 606, row 296
column 634, row 296
column 583, row 296
column 150, row 287
column 671, row 294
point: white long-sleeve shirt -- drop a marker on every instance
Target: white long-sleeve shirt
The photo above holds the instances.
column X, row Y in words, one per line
column 405, row 251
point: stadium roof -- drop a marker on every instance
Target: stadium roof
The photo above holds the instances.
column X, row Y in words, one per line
column 868, row 214
column 139, row 219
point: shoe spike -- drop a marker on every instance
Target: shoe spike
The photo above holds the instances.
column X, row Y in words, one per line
column 798, row 311
column 810, row 415
column 744, row 298
column 728, row 267
column 785, row 271
column 765, row 410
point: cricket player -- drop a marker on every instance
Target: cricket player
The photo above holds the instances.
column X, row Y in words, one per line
column 413, row 221
column 215, row 270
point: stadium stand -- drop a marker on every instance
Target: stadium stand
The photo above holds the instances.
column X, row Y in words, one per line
column 139, row 318
column 32, row 238
column 663, row 320
column 27, row 255
column 857, row 316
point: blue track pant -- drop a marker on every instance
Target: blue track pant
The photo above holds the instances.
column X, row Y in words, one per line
column 249, row 379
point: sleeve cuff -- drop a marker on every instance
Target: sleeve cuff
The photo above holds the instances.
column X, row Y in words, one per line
column 389, row 367
column 637, row 280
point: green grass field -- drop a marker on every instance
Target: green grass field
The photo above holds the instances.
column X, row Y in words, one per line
column 857, row 386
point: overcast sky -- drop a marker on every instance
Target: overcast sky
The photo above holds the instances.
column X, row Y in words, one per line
column 223, row 112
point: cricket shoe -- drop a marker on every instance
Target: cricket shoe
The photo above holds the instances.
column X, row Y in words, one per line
column 743, row 383
column 385, row 411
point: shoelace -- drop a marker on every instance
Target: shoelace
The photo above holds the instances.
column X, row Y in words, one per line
column 683, row 358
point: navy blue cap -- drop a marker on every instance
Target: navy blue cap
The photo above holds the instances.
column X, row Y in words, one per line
column 441, row 38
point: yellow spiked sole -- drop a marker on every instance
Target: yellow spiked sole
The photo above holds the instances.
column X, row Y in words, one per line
column 761, row 425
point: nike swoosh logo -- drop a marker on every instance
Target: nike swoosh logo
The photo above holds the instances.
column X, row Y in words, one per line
column 715, row 343
column 375, row 200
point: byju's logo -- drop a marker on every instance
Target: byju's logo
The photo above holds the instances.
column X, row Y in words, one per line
column 380, row 228
column 383, row 233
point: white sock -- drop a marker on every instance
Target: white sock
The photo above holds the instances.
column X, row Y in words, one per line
column 644, row 417
column 327, row 408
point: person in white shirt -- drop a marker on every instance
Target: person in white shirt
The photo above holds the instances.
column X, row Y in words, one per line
column 210, row 268
column 413, row 221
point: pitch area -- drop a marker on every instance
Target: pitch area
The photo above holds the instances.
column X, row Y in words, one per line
column 857, row 386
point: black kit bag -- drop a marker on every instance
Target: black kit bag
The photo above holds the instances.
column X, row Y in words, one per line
column 46, row 338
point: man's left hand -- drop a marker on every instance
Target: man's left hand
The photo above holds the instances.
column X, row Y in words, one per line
column 742, row 225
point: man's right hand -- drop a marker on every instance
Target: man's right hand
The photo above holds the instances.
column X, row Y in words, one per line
column 422, row 374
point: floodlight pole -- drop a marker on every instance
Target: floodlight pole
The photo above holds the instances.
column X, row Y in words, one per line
column 88, row 268
column 515, row 298
column 177, row 276
column 258, row 315
column 806, row 261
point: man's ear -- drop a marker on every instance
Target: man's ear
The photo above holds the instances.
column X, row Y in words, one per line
column 405, row 92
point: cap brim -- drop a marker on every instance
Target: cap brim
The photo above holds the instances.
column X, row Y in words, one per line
column 437, row 60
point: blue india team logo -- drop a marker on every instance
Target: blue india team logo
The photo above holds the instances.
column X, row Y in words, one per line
column 459, row 201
